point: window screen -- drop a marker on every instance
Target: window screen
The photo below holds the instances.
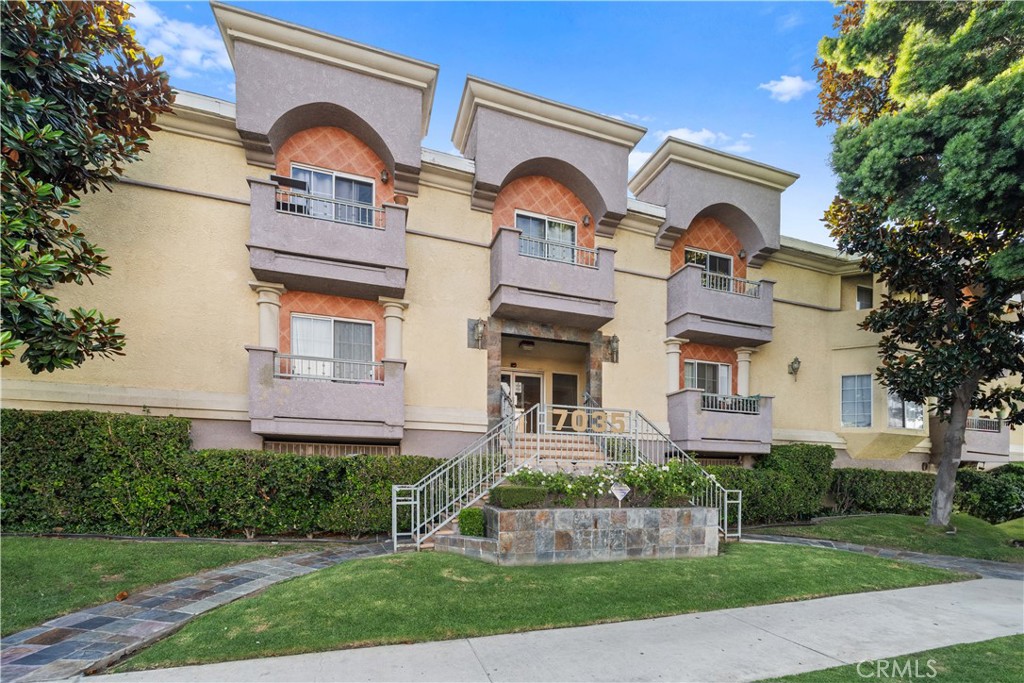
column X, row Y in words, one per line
column 856, row 401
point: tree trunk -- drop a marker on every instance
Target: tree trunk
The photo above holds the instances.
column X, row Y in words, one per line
column 952, row 449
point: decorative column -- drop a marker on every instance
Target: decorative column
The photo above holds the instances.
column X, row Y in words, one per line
column 672, row 353
column 743, row 370
column 394, row 315
column 268, row 300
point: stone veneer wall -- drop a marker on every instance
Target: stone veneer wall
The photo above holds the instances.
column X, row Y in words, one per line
column 558, row 536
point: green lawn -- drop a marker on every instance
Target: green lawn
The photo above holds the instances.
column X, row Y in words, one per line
column 436, row 596
column 990, row 661
column 44, row 578
column 974, row 537
column 1014, row 528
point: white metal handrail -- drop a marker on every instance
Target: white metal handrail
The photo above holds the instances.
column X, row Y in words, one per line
column 419, row 510
column 724, row 403
column 985, row 424
column 328, row 208
column 291, row 366
column 552, row 250
column 732, row 285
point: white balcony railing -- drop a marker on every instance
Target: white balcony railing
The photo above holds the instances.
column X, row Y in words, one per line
column 984, row 424
column 723, row 403
column 732, row 285
column 290, row 366
column 328, row 209
column 551, row 250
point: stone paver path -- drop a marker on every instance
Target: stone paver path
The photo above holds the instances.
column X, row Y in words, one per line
column 999, row 570
column 96, row 637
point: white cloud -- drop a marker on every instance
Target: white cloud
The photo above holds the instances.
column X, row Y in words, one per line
column 789, row 21
column 787, row 88
column 738, row 147
column 188, row 49
column 708, row 138
column 747, row 136
column 636, row 160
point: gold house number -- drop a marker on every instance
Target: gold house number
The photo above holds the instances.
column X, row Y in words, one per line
column 597, row 420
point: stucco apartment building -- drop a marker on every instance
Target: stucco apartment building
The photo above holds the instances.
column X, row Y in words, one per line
column 296, row 272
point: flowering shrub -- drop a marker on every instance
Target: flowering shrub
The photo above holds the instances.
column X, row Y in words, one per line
column 673, row 484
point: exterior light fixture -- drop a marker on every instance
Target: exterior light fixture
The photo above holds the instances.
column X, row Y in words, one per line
column 384, row 176
column 613, row 346
column 794, row 367
column 586, row 219
column 527, row 345
column 478, row 332
column 742, row 254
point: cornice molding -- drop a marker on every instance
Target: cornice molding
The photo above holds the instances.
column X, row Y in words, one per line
column 699, row 156
column 238, row 25
column 480, row 93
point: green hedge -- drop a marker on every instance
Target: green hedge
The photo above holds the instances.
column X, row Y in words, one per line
column 85, row 472
column 512, row 497
column 471, row 522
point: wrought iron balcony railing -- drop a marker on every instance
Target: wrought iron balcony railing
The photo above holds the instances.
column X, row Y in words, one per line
column 551, row 250
column 290, row 366
column 723, row 403
column 984, row 424
column 732, row 285
column 328, row 209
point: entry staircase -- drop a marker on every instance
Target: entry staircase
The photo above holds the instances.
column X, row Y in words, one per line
column 549, row 437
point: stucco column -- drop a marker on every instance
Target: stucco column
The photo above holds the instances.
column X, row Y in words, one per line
column 394, row 315
column 743, row 370
column 268, row 300
column 672, row 352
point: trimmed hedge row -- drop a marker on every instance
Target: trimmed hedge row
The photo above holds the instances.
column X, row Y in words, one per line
column 86, row 472
column 471, row 522
column 995, row 496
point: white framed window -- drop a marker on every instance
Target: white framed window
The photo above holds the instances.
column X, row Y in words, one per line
column 855, row 401
column 334, row 348
column 546, row 237
column 352, row 195
column 905, row 414
column 865, row 298
column 712, row 378
column 718, row 264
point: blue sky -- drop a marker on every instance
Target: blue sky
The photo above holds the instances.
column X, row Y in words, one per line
column 736, row 76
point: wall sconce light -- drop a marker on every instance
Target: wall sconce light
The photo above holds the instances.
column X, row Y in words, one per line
column 586, row 219
column 613, row 346
column 743, row 254
column 384, row 176
column 478, row 332
column 794, row 367
column 526, row 346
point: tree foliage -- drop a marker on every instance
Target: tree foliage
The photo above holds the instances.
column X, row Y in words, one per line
column 80, row 99
column 928, row 99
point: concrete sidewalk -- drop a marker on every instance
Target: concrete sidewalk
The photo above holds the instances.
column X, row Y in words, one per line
column 744, row 644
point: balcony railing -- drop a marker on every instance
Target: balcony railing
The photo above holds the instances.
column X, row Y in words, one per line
column 551, row 250
column 733, row 285
column 290, row 366
column 328, row 209
column 723, row 403
column 984, row 424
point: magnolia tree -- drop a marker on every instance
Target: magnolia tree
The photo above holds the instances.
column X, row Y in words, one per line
column 928, row 100
column 79, row 98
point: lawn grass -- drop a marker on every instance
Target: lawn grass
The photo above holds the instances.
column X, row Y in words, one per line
column 974, row 537
column 436, row 596
column 991, row 661
column 44, row 578
column 1014, row 528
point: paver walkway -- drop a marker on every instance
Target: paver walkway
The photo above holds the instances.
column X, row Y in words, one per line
column 95, row 637
column 1001, row 570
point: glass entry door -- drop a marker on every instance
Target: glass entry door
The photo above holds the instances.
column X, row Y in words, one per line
column 525, row 391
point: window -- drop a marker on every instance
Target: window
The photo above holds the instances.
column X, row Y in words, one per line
column 352, row 196
column 331, row 348
column 717, row 268
column 856, row 401
column 544, row 237
column 904, row 414
column 713, row 378
column 865, row 298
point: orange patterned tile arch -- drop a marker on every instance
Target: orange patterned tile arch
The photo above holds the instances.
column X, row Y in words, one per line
column 709, row 354
column 709, row 234
column 335, row 149
column 545, row 196
column 312, row 303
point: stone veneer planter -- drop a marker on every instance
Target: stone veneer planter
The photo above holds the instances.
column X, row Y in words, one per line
column 560, row 536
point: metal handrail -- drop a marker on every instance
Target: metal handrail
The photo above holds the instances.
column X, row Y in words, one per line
column 292, row 366
column 552, row 250
column 436, row 499
column 328, row 208
column 985, row 424
column 726, row 403
column 732, row 285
